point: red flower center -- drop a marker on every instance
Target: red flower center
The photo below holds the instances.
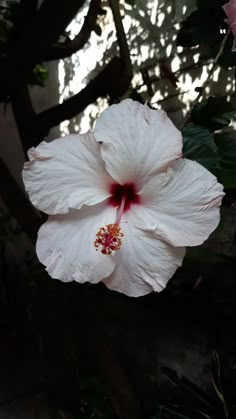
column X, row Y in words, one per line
column 119, row 192
column 109, row 238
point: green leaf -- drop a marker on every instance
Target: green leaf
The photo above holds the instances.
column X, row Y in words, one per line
column 198, row 29
column 102, row 12
column 199, row 145
column 189, row 388
column 175, row 415
column 181, row 412
column 217, row 383
column 131, row 2
column 214, row 113
column 226, row 146
column 204, row 27
column 40, row 75
column 135, row 95
column 216, row 153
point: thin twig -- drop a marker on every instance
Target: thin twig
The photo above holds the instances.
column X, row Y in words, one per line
column 212, row 70
column 66, row 49
column 122, row 40
column 170, row 97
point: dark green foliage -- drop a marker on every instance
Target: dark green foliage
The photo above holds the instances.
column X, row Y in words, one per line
column 199, row 145
column 135, row 95
column 217, row 384
column 97, row 29
column 214, row 113
column 10, row 23
column 206, row 26
column 10, row 28
column 192, row 392
column 203, row 25
column 226, row 146
column 198, row 29
column 9, row 15
column 39, row 75
column 131, row 2
column 228, row 58
column 197, row 405
column 4, row 29
column 216, row 152
column 102, row 12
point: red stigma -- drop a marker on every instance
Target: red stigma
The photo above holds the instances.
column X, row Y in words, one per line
column 108, row 239
column 119, row 191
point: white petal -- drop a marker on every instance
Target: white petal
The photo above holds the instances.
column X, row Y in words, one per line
column 186, row 210
column 66, row 245
column 138, row 142
column 145, row 264
column 66, row 173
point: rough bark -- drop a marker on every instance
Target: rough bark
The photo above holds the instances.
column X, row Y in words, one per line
column 25, row 117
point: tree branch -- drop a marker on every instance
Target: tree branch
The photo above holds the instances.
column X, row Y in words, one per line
column 21, row 101
column 25, row 117
column 106, row 82
column 18, row 204
column 44, row 29
column 122, row 42
column 66, row 49
column 28, row 9
column 114, row 80
column 121, row 37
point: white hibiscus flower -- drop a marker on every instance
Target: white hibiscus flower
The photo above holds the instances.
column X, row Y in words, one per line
column 122, row 202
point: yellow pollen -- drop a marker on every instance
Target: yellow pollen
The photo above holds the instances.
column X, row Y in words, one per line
column 108, row 239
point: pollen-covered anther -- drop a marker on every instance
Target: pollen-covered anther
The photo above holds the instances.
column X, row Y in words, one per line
column 108, row 239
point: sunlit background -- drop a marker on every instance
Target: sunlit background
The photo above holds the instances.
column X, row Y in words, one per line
column 151, row 27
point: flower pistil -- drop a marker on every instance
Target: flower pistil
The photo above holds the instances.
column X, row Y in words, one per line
column 109, row 238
